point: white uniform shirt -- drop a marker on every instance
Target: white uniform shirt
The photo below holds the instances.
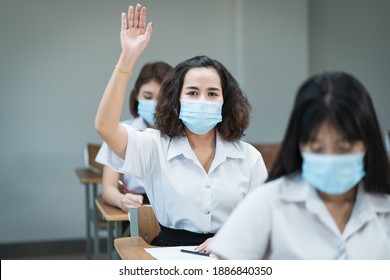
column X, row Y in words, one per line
column 182, row 194
column 286, row 219
column 134, row 184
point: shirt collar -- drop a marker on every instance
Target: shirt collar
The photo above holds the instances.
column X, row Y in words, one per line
column 295, row 189
column 224, row 149
column 179, row 146
column 366, row 207
column 379, row 203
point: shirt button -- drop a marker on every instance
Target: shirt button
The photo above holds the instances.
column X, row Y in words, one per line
column 341, row 248
column 206, row 211
column 207, row 186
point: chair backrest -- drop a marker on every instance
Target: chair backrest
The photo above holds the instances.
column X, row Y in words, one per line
column 143, row 223
column 90, row 152
column 268, row 151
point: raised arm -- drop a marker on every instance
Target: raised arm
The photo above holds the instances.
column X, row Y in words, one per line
column 135, row 37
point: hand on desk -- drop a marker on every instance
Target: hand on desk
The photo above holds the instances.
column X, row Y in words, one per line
column 203, row 247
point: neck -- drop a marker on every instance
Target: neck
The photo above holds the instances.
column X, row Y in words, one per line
column 203, row 140
column 203, row 147
column 348, row 197
column 340, row 206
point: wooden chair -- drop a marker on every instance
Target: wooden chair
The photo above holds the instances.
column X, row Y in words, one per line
column 143, row 228
column 143, row 223
column 268, row 151
column 90, row 151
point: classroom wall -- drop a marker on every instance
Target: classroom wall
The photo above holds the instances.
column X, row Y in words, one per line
column 353, row 36
column 275, row 62
column 56, row 59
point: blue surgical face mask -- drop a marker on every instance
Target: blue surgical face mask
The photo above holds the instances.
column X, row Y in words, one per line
column 146, row 109
column 200, row 116
column 333, row 174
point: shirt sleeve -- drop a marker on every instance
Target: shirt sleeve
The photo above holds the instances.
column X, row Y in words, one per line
column 258, row 171
column 246, row 233
column 101, row 156
column 140, row 157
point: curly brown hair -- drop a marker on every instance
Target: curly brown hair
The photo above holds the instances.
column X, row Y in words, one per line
column 235, row 110
column 153, row 71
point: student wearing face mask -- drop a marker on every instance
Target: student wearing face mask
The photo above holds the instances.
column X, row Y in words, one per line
column 195, row 168
column 328, row 193
column 142, row 105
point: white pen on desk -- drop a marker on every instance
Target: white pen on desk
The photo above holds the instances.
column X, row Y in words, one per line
column 124, row 186
column 195, row 252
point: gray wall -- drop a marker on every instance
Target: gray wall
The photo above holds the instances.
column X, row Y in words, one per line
column 353, row 36
column 56, row 58
column 275, row 62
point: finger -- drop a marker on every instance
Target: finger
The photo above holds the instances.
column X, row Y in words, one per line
column 136, row 199
column 132, row 204
column 137, row 15
column 142, row 20
column 149, row 30
column 200, row 248
column 130, row 15
column 123, row 22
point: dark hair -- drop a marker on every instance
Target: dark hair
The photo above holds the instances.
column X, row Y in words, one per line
column 342, row 101
column 235, row 110
column 154, row 71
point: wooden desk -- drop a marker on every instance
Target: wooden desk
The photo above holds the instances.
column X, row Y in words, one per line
column 114, row 217
column 132, row 248
column 90, row 179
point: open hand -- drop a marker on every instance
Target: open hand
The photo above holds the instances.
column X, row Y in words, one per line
column 135, row 35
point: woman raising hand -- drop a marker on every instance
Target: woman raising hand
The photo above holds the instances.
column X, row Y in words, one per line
column 194, row 167
column 134, row 39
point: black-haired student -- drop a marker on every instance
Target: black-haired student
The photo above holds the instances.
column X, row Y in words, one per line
column 328, row 193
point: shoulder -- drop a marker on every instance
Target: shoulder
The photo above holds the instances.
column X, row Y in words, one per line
column 271, row 190
column 379, row 201
column 286, row 189
column 250, row 153
column 248, row 147
column 245, row 149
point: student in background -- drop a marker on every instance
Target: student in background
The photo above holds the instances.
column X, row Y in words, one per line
column 328, row 193
column 142, row 107
column 195, row 168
